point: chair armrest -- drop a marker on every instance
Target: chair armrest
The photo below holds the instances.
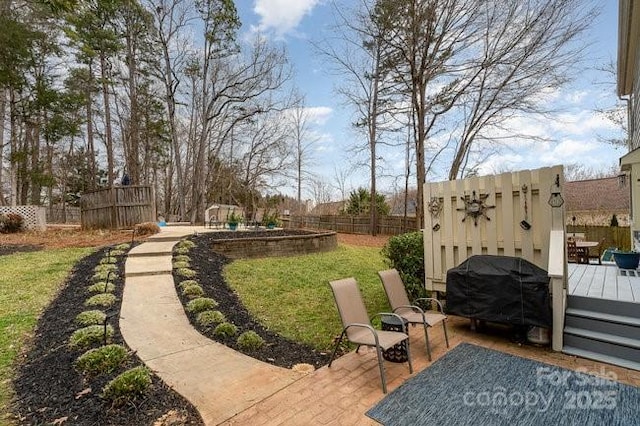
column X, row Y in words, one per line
column 367, row 326
column 432, row 300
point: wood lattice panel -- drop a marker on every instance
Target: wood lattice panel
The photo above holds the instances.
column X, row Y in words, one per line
column 448, row 240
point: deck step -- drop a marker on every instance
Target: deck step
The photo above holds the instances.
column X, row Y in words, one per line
column 583, row 353
column 603, row 344
column 604, row 306
column 616, row 325
column 604, row 337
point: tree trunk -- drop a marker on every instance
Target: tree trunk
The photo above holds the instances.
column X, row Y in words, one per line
column 3, row 108
column 107, row 119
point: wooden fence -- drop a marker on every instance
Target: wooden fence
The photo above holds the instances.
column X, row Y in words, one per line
column 120, row 207
column 69, row 215
column 619, row 236
column 387, row 225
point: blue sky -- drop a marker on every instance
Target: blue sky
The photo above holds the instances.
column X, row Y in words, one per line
column 575, row 131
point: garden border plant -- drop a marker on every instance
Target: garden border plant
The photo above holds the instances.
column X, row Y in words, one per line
column 53, row 377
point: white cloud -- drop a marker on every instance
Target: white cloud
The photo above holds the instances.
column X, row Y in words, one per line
column 318, row 115
column 282, row 16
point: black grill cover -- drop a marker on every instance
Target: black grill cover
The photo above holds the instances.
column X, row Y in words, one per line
column 500, row 289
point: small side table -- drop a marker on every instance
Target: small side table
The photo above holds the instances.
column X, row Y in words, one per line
column 396, row 353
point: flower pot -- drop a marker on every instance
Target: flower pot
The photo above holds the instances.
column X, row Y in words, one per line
column 271, row 225
column 233, row 226
column 628, row 260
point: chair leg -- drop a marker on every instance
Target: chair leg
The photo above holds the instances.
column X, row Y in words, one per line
column 358, row 348
column 381, row 366
column 409, row 356
column 336, row 348
column 426, row 339
column 444, row 327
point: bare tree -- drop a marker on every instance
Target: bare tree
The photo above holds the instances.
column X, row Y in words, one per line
column 526, row 48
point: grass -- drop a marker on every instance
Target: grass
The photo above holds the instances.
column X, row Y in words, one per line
column 28, row 282
column 291, row 295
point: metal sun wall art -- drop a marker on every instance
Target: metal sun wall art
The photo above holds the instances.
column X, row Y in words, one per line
column 475, row 207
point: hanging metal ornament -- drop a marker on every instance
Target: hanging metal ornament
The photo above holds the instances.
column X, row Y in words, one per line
column 475, row 207
column 434, row 207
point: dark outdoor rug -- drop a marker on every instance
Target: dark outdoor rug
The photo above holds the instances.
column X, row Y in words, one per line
column 472, row 385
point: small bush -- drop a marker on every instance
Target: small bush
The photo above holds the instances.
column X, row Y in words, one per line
column 187, row 283
column 201, row 304
column 406, row 253
column 103, row 276
column 192, row 291
column 122, row 246
column 180, row 264
column 207, row 318
column 108, row 259
column 93, row 317
column 117, row 252
column 250, row 341
column 182, row 250
column 86, row 337
column 102, row 287
column 181, row 258
column 226, row 329
column 127, row 386
column 186, row 244
column 104, row 360
column 11, row 223
column 147, row 228
column 186, row 272
column 105, row 300
column 105, row 268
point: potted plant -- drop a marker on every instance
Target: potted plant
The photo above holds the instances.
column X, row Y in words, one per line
column 626, row 259
column 271, row 220
column 233, row 220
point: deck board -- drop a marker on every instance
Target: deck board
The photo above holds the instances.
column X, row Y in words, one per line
column 602, row 282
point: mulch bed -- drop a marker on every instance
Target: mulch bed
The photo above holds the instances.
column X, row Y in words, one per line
column 277, row 349
column 50, row 391
column 6, row 249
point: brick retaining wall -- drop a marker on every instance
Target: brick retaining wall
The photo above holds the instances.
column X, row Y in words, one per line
column 314, row 242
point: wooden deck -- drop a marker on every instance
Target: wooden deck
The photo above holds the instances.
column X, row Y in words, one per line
column 603, row 282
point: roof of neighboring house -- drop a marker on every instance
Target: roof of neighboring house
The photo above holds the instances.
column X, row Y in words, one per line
column 628, row 40
column 605, row 194
column 331, row 208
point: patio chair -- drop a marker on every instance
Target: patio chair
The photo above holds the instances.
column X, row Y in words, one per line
column 357, row 325
column 399, row 301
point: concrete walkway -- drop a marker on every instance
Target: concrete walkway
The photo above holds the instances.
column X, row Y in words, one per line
column 218, row 381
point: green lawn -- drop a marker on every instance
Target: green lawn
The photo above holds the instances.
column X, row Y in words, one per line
column 291, row 295
column 28, row 282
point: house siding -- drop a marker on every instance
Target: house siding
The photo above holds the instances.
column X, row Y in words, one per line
column 634, row 122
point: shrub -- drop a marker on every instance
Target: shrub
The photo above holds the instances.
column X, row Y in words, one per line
column 406, row 253
column 182, row 250
column 187, row 283
column 207, row 318
column 127, row 386
column 179, row 264
column 122, row 246
column 193, row 290
column 11, row 223
column 103, row 276
column 102, row 287
column 146, row 228
column 103, row 299
column 226, row 329
column 86, row 337
column 104, row 360
column 117, row 252
column 105, row 268
column 250, row 341
column 186, row 244
column 108, row 259
column 93, row 317
column 201, row 304
column 182, row 258
column 186, row 272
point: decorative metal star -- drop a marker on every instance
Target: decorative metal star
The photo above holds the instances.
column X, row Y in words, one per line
column 475, row 207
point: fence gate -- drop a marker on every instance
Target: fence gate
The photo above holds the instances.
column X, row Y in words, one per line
column 507, row 215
